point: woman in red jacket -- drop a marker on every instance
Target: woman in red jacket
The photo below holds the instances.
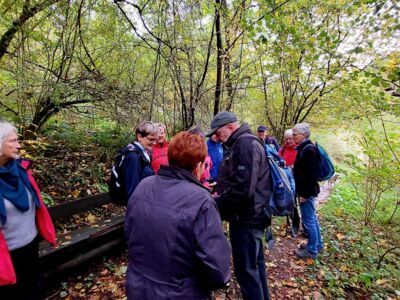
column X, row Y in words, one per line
column 159, row 155
column 24, row 220
column 288, row 151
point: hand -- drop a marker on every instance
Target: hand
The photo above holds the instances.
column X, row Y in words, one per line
column 302, row 200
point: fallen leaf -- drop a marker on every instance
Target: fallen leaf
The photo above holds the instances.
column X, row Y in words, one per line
column 309, row 261
column 78, row 286
column 340, row 236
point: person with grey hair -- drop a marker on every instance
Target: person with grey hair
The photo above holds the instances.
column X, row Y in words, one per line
column 288, row 151
column 243, row 185
column 305, row 175
column 24, row 220
column 133, row 163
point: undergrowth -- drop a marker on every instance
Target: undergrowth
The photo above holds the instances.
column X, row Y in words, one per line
column 360, row 261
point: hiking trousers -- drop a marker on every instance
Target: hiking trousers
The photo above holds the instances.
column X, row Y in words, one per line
column 248, row 261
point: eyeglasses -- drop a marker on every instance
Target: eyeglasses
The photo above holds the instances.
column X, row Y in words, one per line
column 151, row 139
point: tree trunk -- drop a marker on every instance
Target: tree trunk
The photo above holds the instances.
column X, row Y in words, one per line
column 218, row 85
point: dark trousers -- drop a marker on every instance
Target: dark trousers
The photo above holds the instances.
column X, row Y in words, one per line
column 248, row 261
column 26, row 263
column 295, row 219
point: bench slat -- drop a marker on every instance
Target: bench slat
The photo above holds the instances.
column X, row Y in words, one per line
column 78, row 206
column 73, row 238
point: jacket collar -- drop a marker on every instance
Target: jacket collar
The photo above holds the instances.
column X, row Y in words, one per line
column 244, row 128
column 303, row 144
column 178, row 173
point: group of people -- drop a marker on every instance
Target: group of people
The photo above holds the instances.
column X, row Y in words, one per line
column 173, row 226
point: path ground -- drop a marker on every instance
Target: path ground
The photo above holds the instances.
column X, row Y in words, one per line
column 289, row 277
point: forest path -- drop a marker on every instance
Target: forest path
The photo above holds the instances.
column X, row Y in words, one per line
column 288, row 276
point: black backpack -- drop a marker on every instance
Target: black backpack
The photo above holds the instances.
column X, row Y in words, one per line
column 116, row 185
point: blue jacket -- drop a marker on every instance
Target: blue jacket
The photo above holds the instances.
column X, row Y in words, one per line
column 135, row 167
column 216, row 153
column 273, row 143
column 177, row 248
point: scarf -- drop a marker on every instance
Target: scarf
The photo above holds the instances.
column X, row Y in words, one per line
column 13, row 184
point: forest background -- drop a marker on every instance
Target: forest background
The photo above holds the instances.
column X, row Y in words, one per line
column 77, row 76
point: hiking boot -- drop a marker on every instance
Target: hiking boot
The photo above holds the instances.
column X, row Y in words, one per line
column 304, row 246
column 303, row 253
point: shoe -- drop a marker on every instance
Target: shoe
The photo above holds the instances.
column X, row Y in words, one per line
column 303, row 253
column 304, row 246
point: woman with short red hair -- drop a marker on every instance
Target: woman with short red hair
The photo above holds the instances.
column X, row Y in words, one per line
column 177, row 248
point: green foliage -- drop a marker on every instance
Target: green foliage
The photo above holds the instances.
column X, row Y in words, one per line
column 351, row 263
column 47, row 199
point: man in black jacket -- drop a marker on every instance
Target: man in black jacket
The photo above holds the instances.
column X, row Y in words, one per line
column 305, row 175
column 243, row 188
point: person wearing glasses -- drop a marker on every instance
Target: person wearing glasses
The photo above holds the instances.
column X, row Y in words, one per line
column 136, row 164
column 24, row 221
column 159, row 155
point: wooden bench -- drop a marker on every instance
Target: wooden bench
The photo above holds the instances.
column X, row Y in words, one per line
column 81, row 245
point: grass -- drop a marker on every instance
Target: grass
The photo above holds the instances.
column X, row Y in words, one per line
column 352, row 265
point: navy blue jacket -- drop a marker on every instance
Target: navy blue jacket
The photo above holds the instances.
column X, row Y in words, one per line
column 306, row 169
column 177, row 248
column 135, row 167
column 216, row 153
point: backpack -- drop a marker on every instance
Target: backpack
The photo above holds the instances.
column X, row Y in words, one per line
column 282, row 198
column 326, row 168
column 116, row 185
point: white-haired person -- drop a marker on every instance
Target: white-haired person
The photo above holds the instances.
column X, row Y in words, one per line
column 159, row 155
column 288, row 150
column 24, row 220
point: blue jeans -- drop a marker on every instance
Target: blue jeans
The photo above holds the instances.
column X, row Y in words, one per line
column 310, row 220
column 248, row 261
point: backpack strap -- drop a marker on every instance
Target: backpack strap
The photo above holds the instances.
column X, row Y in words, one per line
column 307, row 146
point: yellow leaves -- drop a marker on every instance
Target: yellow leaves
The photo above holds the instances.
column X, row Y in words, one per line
column 381, row 281
column 78, row 286
column 75, row 193
column 91, row 218
column 339, row 212
column 340, row 236
column 344, row 268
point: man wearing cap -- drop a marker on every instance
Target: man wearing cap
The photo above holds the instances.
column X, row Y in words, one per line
column 243, row 189
column 262, row 133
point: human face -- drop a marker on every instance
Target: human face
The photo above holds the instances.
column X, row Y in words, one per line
column 161, row 135
column 289, row 141
column 261, row 134
column 9, row 149
column 297, row 136
column 148, row 141
column 223, row 133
